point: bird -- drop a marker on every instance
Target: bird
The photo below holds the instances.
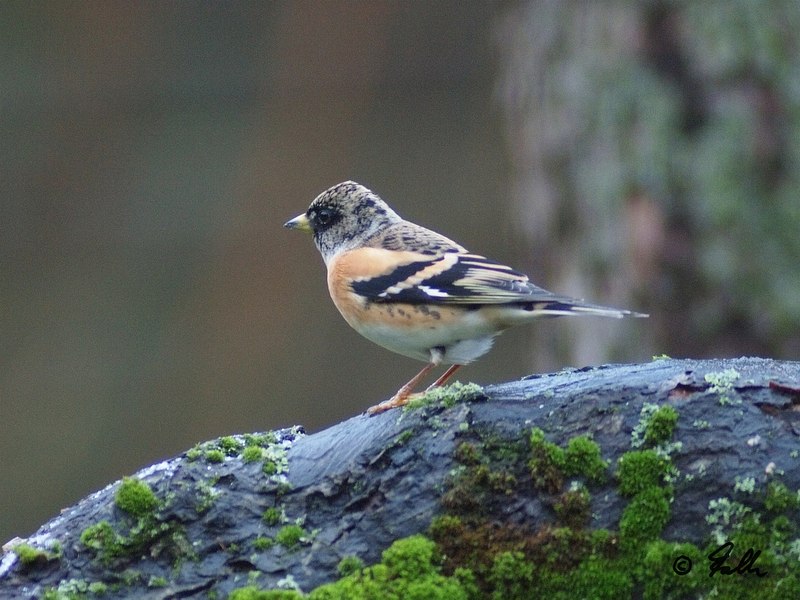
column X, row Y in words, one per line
column 416, row 292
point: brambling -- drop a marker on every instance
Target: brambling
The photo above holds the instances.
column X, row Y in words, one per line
column 416, row 292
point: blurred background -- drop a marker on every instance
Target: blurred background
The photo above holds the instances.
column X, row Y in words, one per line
column 638, row 154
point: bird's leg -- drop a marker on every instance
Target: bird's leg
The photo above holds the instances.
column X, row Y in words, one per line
column 403, row 394
column 444, row 378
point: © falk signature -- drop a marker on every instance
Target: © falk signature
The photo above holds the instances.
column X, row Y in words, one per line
column 746, row 562
column 718, row 558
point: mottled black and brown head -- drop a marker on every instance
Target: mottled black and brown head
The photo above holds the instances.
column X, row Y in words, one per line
column 344, row 217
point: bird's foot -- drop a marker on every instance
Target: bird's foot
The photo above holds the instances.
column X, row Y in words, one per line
column 403, row 395
column 394, row 402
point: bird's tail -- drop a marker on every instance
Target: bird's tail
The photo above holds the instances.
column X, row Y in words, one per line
column 567, row 306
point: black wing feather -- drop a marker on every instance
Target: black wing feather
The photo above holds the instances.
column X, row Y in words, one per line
column 472, row 279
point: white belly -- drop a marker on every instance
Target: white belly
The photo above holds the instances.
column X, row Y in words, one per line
column 460, row 340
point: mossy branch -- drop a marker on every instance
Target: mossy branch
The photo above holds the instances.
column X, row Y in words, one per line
column 595, row 483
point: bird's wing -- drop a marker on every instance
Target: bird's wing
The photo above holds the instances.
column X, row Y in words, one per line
column 411, row 264
column 460, row 279
column 447, row 278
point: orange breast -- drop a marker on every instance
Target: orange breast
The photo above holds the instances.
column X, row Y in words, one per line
column 363, row 264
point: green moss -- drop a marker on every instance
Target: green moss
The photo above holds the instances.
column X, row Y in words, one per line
column 658, row 563
column 582, row 457
column 250, row 447
column 472, row 544
column 194, row 453
column 656, row 425
column 573, row 507
column 444, row 526
column 290, row 536
column 644, row 518
column 643, row 476
column 254, row 574
column 510, row 452
column 272, row 516
column 598, row 578
column 467, row 453
column 447, row 395
column 31, row 557
column 136, row 498
column 511, row 577
column 103, row 539
column 265, row 439
column 474, row 554
column 98, row 588
column 206, row 495
column 157, row 582
column 252, row 454
column 232, row 548
column 253, row 593
column 562, row 564
column 28, row 555
column 130, row 577
column 776, row 539
column 214, row 455
column 567, row 559
column 262, row 543
column 276, row 460
column 141, row 530
column 230, row 445
column 76, row 589
column 413, row 557
column 349, row 565
column 549, row 463
column 410, row 569
column 481, row 476
column 563, row 561
column 661, row 425
column 779, row 498
column 639, row 470
column 497, row 481
column 405, row 437
column 546, row 463
column 282, row 488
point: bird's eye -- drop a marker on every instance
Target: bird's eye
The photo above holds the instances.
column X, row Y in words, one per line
column 324, row 216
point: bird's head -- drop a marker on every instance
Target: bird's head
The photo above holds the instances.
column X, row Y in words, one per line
column 343, row 217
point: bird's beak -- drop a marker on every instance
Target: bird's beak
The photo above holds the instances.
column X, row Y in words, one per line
column 300, row 222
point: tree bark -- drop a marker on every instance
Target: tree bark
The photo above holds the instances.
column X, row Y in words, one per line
column 287, row 513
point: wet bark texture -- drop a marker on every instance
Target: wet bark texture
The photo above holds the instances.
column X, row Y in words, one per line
column 356, row 487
